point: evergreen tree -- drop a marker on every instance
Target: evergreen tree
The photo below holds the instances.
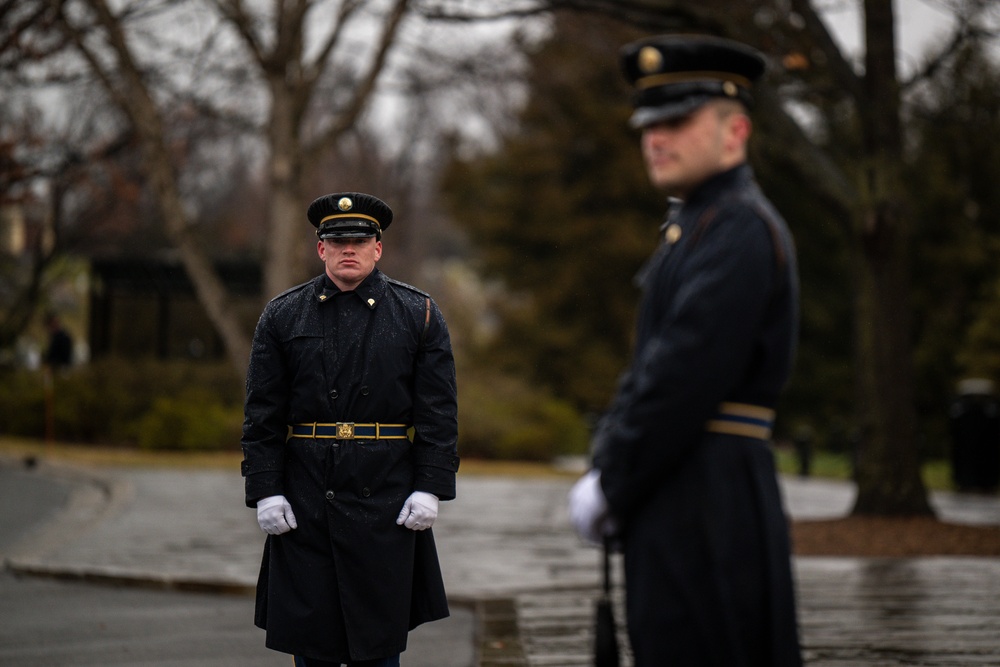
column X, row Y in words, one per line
column 564, row 215
column 953, row 178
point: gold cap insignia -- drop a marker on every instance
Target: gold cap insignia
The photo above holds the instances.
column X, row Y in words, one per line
column 673, row 234
column 650, row 59
column 345, row 204
column 730, row 89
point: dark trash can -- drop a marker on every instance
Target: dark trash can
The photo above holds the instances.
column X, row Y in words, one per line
column 975, row 436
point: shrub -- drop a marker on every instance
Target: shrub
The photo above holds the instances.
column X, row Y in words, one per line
column 191, row 421
column 116, row 401
column 184, row 405
column 500, row 417
column 22, row 403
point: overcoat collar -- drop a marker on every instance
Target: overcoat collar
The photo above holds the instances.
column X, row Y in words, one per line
column 370, row 291
column 730, row 179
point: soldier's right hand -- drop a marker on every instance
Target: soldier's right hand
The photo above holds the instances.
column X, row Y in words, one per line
column 274, row 515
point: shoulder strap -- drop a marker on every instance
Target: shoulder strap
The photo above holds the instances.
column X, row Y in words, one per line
column 427, row 319
column 780, row 255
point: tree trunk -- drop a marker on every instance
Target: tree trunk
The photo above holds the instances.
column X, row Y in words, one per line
column 130, row 93
column 209, row 289
column 286, row 212
column 888, row 463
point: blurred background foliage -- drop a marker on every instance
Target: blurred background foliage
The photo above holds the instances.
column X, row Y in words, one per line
column 564, row 213
column 161, row 405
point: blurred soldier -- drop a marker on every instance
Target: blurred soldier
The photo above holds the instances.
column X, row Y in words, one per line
column 682, row 475
column 341, row 368
column 58, row 359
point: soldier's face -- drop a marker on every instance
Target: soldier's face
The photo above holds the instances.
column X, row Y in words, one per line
column 349, row 261
column 682, row 153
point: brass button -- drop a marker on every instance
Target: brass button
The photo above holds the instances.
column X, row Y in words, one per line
column 673, row 234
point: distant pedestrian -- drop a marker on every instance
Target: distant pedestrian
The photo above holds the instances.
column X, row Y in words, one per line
column 341, row 369
column 682, row 475
column 59, row 352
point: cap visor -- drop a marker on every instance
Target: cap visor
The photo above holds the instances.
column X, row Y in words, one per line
column 348, row 234
column 650, row 115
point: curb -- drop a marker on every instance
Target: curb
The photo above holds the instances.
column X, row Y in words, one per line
column 498, row 637
column 131, row 580
column 92, row 498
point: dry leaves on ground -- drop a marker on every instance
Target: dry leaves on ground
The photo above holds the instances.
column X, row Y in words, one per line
column 893, row 537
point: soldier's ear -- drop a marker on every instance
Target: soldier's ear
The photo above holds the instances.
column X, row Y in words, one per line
column 743, row 126
column 738, row 128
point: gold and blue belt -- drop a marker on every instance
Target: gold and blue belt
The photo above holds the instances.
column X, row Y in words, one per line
column 752, row 421
column 350, row 431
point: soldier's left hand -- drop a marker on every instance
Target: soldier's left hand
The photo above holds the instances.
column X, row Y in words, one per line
column 419, row 511
column 588, row 509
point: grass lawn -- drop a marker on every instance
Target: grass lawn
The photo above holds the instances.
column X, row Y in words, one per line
column 936, row 474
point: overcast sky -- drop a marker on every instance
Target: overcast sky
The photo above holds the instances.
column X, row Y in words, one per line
column 920, row 24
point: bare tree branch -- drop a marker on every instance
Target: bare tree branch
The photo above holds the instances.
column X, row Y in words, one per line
column 965, row 31
column 828, row 182
column 839, row 66
column 312, row 71
column 348, row 117
column 651, row 15
column 233, row 11
column 133, row 98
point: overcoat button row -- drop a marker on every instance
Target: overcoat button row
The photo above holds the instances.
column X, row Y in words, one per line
column 366, row 492
column 330, row 495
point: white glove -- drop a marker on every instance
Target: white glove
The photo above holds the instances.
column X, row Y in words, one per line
column 419, row 511
column 588, row 509
column 274, row 515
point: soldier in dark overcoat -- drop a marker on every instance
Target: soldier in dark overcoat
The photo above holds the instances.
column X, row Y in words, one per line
column 349, row 443
column 683, row 477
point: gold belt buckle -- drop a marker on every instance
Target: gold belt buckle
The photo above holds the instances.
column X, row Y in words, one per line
column 345, row 430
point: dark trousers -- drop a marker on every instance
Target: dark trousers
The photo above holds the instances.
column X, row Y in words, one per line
column 391, row 661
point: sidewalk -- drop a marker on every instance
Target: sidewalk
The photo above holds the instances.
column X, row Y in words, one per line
column 508, row 553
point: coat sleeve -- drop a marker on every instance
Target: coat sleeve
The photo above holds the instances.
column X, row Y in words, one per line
column 265, row 423
column 700, row 349
column 435, row 410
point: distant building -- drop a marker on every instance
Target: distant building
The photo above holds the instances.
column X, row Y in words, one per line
column 147, row 308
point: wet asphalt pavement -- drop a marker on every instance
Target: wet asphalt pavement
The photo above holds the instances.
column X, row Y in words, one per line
column 151, row 551
column 64, row 619
column 49, row 621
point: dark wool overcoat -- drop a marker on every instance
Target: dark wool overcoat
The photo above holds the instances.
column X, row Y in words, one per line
column 705, row 539
column 348, row 583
